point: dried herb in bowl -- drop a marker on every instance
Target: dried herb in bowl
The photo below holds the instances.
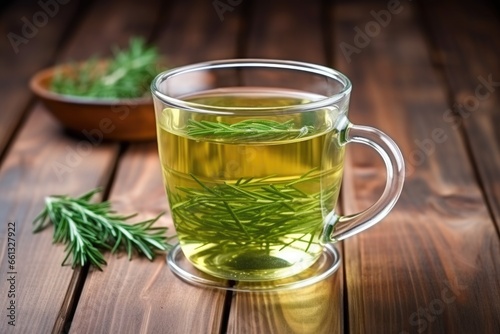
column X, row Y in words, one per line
column 126, row 75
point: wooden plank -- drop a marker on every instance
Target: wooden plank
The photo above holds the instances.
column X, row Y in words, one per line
column 140, row 296
column 47, row 290
column 26, row 177
column 468, row 53
column 25, row 49
column 432, row 264
column 193, row 32
column 288, row 30
column 108, row 24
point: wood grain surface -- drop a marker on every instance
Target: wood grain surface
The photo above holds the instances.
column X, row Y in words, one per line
column 140, row 296
column 24, row 49
column 422, row 268
column 27, row 176
column 468, row 55
column 45, row 161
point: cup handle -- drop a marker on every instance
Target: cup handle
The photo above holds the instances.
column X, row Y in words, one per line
column 340, row 227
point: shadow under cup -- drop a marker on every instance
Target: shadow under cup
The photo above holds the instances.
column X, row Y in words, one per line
column 252, row 154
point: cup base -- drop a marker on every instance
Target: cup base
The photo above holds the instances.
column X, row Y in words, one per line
column 325, row 266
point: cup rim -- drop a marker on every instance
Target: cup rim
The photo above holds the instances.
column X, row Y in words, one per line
column 247, row 63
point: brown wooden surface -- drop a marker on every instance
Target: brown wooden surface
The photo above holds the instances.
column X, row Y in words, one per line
column 468, row 57
column 432, row 266
column 24, row 56
column 440, row 237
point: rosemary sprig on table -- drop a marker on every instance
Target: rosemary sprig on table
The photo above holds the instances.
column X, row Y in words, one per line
column 88, row 228
column 247, row 130
column 251, row 212
column 126, row 75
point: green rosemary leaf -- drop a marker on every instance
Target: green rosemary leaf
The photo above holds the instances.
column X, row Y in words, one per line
column 247, row 130
column 252, row 210
column 125, row 75
column 88, row 228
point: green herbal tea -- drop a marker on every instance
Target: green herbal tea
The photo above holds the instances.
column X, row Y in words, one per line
column 249, row 194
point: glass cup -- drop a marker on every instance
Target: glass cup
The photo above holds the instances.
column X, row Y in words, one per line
column 252, row 155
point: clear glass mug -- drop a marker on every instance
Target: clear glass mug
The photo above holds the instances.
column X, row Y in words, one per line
column 252, row 154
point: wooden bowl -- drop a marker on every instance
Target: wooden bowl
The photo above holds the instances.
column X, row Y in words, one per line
column 113, row 119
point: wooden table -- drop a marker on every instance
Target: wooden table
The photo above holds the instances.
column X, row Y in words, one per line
column 426, row 73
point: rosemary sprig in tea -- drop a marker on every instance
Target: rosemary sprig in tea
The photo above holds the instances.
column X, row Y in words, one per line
column 126, row 75
column 88, row 228
column 247, row 130
column 250, row 212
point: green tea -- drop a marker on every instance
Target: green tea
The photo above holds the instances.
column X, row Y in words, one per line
column 249, row 187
